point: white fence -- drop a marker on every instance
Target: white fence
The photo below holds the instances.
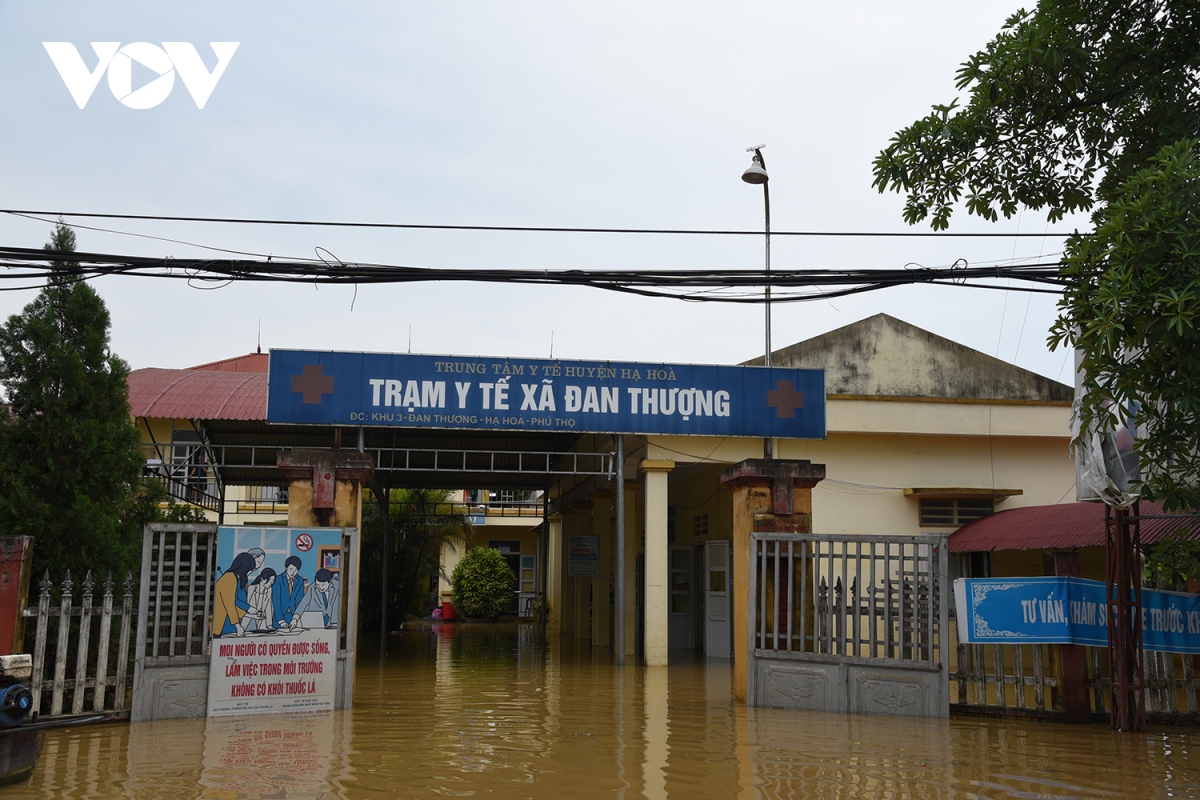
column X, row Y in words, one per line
column 79, row 665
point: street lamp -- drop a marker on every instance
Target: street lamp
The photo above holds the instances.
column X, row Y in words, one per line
column 756, row 173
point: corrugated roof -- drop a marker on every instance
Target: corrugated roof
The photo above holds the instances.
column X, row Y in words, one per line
column 1055, row 528
column 198, row 394
column 251, row 362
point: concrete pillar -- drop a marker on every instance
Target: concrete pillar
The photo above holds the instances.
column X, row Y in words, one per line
column 567, row 618
column 602, row 584
column 583, row 584
column 554, row 575
column 767, row 495
column 657, row 560
column 325, row 486
column 632, row 544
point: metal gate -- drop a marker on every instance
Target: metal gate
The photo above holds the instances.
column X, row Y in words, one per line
column 849, row 623
column 174, row 621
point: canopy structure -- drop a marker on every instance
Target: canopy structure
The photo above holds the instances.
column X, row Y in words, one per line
column 225, row 406
column 1058, row 527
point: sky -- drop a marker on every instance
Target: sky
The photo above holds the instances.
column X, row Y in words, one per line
column 622, row 114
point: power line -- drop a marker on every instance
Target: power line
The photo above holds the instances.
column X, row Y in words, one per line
column 696, row 285
column 532, row 228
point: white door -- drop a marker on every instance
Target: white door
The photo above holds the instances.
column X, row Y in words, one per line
column 680, row 622
column 718, row 635
column 527, row 585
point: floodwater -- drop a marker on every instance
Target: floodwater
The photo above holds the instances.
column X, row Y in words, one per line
column 474, row 710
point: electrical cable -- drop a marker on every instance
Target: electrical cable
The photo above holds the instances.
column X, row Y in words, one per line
column 727, row 285
column 144, row 236
column 533, row 228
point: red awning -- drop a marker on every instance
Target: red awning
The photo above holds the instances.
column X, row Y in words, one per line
column 1058, row 527
column 198, row 394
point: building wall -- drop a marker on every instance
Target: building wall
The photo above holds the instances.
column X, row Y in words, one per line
column 496, row 527
column 241, row 505
column 869, row 463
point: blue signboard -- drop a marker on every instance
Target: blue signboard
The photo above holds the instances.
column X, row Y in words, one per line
column 517, row 394
column 1067, row 611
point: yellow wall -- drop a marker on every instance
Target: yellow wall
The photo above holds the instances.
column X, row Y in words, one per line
column 866, row 474
column 499, row 528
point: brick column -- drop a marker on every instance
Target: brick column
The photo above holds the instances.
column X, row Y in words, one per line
column 16, row 560
column 761, row 488
column 325, row 488
column 1073, row 657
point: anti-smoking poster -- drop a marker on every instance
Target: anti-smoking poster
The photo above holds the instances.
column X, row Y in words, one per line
column 276, row 609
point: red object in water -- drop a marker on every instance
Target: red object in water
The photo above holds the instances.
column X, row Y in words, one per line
column 16, row 558
column 448, row 610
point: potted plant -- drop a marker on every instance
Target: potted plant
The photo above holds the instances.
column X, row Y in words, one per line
column 483, row 584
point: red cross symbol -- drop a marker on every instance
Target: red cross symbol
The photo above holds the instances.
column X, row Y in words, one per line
column 785, row 399
column 313, row 384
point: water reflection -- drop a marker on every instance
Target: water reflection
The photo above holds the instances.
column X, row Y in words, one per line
column 286, row 756
column 486, row 711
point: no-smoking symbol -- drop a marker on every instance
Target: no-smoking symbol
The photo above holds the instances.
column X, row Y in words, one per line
column 304, row 542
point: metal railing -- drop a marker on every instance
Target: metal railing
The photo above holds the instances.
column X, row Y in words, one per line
column 1027, row 679
column 178, row 568
column 850, row 595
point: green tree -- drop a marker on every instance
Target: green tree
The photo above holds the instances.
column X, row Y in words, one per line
column 483, row 584
column 69, row 458
column 1133, row 308
column 1091, row 105
column 404, row 531
column 1174, row 560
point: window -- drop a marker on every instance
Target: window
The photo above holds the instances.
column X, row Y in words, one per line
column 267, row 494
column 953, row 511
column 700, row 526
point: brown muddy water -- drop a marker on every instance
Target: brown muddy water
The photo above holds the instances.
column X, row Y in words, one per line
column 483, row 711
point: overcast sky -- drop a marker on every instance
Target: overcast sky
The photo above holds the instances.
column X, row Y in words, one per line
column 619, row 114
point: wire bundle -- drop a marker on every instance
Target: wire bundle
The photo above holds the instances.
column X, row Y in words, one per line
column 21, row 265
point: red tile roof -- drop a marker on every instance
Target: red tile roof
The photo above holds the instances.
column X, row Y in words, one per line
column 198, row 394
column 1055, row 528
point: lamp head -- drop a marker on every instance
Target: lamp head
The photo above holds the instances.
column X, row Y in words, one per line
column 757, row 171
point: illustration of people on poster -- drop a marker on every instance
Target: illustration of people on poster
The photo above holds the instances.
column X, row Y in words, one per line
column 276, row 612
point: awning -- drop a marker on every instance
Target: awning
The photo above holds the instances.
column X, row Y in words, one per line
column 1059, row 527
column 198, row 394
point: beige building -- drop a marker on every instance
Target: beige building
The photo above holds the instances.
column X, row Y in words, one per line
column 509, row 521
column 924, row 435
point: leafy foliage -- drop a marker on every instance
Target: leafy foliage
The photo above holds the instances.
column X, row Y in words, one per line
column 69, row 458
column 483, row 584
column 152, row 503
column 1090, row 105
column 1174, row 560
column 414, row 523
column 1133, row 308
column 1064, row 104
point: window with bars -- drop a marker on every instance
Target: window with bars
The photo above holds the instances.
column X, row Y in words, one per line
column 700, row 526
column 954, row 511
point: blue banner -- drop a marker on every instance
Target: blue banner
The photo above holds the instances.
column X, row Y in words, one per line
column 517, row 394
column 1067, row 611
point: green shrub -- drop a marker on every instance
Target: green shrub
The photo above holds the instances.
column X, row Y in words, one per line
column 482, row 584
